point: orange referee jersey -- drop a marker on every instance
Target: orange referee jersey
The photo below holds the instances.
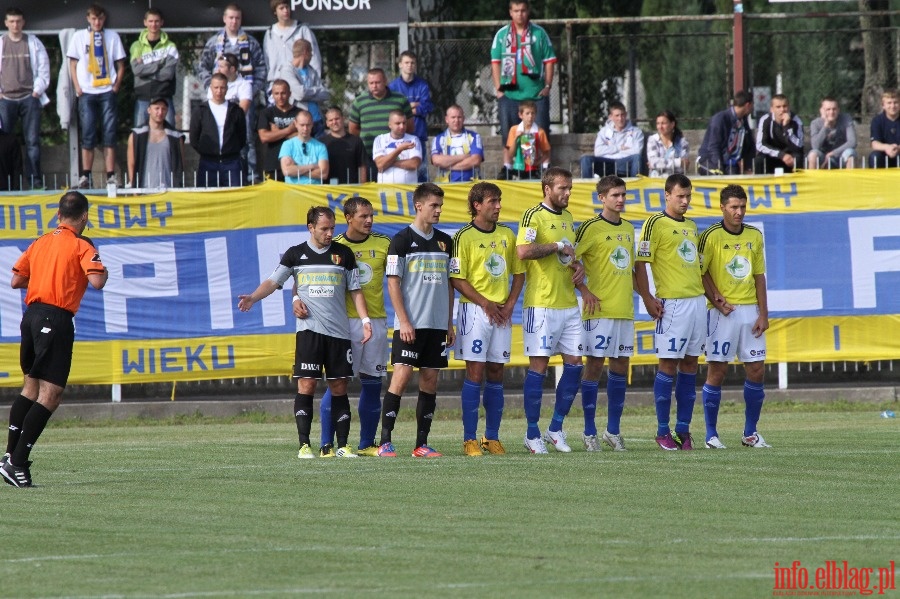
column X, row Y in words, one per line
column 57, row 265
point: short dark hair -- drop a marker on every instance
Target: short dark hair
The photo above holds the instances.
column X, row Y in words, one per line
column 405, row 54
column 231, row 59
column 316, row 212
column 732, row 191
column 742, row 98
column 155, row 12
column 553, row 173
column 353, row 205
column 424, row 190
column 397, row 112
column 780, row 97
column 678, row 179
column 14, row 11
column 376, row 71
column 616, row 105
column 72, row 205
column 481, row 191
column 218, row 76
column 96, row 10
column 274, row 4
column 233, row 6
column 829, row 99
column 281, row 82
column 609, row 182
column 334, row 108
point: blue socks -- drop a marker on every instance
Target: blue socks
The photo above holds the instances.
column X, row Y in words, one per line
column 369, row 410
column 712, row 397
column 754, row 394
column 615, row 401
column 589, row 404
column 662, row 395
column 471, row 401
column 532, row 391
column 493, row 409
column 325, row 418
column 565, row 394
column 685, row 396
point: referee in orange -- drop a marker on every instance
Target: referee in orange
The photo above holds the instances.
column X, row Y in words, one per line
column 55, row 270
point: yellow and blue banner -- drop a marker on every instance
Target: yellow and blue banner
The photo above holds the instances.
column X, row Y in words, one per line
column 179, row 259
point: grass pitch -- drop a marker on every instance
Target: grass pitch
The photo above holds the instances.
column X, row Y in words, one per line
column 226, row 510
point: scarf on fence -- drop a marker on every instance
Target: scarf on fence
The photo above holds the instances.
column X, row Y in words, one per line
column 98, row 63
column 514, row 44
column 245, row 67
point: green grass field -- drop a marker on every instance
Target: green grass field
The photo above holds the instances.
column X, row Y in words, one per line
column 215, row 509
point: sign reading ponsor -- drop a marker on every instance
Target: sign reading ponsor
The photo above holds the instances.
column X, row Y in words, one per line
column 46, row 16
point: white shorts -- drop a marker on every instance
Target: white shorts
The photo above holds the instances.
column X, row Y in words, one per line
column 731, row 336
column 548, row 331
column 607, row 337
column 477, row 340
column 369, row 358
column 682, row 329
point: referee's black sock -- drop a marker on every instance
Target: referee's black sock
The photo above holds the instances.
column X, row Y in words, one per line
column 303, row 414
column 424, row 414
column 32, row 427
column 390, row 407
column 340, row 418
column 17, row 412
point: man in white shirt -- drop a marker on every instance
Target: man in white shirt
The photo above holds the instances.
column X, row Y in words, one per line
column 96, row 66
column 397, row 154
column 617, row 149
column 239, row 89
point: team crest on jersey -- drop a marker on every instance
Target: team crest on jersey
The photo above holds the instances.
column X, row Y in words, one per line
column 495, row 265
column 530, row 235
column 358, row 254
column 620, row 258
column 493, row 245
column 335, row 259
column 687, row 251
column 442, row 245
column 737, row 247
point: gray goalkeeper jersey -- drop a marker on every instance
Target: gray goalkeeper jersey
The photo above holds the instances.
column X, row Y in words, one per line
column 423, row 265
column 324, row 278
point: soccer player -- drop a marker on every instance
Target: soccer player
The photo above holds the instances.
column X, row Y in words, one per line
column 55, row 270
column 369, row 359
column 734, row 276
column 324, row 273
column 605, row 245
column 668, row 243
column 484, row 257
column 418, row 283
column 551, row 322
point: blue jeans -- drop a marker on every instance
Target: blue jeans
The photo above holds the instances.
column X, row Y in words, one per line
column 94, row 110
column 629, row 166
column 140, row 113
column 29, row 109
column 508, row 111
column 221, row 173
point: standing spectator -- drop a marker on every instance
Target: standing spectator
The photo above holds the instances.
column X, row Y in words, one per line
column 527, row 151
column 306, row 85
column 617, row 149
column 24, row 79
column 276, row 124
column 369, row 113
column 484, row 260
column 346, row 153
column 885, row 130
column 669, row 243
column 727, row 147
column 734, row 276
column 156, row 152
column 55, row 270
column 779, row 138
column 397, row 154
column 279, row 39
column 418, row 93
column 154, row 60
column 232, row 39
column 522, row 64
column 667, row 149
column 418, row 269
column 551, row 317
column 218, row 132
column 457, row 152
column 326, row 276
column 605, row 244
column 239, row 90
column 833, row 138
column 96, row 66
column 304, row 160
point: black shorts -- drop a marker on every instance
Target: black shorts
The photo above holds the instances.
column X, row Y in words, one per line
column 429, row 350
column 48, row 334
column 316, row 351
